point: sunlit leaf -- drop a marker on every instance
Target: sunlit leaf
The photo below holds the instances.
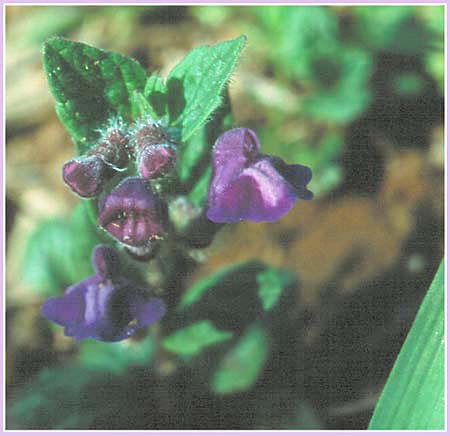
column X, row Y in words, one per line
column 241, row 366
column 191, row 340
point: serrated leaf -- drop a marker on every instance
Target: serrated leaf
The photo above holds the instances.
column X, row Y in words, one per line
column 242, row 365
column 90, row 85
column 414, row 395
column 191, row 340
column 272, row 283
column 195, row 85
column 115, row 357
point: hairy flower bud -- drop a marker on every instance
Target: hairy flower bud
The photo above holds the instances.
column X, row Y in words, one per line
column 85, row 175
column 155, row 152
column 114, row 149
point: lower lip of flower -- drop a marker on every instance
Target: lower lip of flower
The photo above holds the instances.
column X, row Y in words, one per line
column 144, row 252
column 134, row 228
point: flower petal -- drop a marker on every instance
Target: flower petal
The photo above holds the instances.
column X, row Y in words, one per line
column 133, row 213
column 149, row 312
column 298, row 176
column 234, row 151
column 259, row 194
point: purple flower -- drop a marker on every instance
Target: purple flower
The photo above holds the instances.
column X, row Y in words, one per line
column 248, row 185
column 133, row 214
column 106, row 306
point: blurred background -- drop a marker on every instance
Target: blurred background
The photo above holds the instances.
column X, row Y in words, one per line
column 354, row 92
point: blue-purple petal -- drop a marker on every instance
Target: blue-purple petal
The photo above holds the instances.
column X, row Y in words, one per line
column 105, row 306
column 298, row 176
column 247, row 185
column 258, row 194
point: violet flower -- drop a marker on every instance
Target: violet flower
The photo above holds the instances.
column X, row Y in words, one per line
column 134, row 215
column 248, row 185
column 106, row 306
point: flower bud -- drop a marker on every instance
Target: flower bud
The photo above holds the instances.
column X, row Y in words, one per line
column 113, row 149
column 156, row 161
column 85, row 175
column 156, row 155
column 134, row 215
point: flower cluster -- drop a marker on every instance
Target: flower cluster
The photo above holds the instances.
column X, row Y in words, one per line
column 125, row 170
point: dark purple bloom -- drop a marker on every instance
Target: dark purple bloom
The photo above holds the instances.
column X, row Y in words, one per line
column 248, row 185
column 106, row 306
column 133, row 213
column 85, row 175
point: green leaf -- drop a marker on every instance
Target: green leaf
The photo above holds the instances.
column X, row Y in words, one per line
column 272, row 283
column 414, row 395
column 242, row 365
column 199, row 193
column 195, row 85
column 54, row 400
column 394, row 29
column 194, row 158
column 141, row 107
column 90, row 86
column 43, row 267
column 116, row 357
column 315, row 29
column 58, row 253
column 190, row 341
column 348, row 96
column 155, row 92
column 194, row 293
